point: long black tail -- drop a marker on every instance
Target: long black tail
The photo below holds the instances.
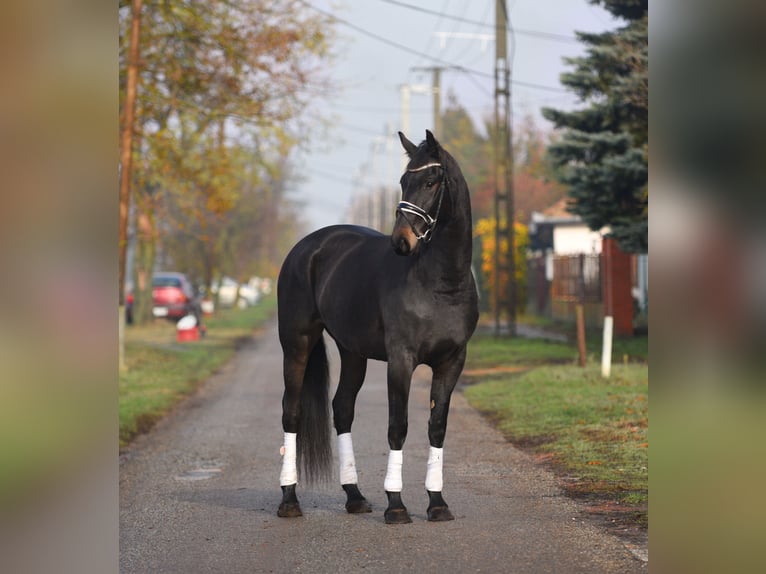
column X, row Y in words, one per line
column 313, row 442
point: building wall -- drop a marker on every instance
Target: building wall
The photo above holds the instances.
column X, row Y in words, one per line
column 568, row 239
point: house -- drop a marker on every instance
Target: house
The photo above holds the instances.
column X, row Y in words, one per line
column 570, row 265
column 559, row 232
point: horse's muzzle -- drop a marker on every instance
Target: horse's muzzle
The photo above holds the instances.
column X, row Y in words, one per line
column 401, row 247
column 403, row 239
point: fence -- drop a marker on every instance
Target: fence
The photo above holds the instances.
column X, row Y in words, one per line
column 557, row 283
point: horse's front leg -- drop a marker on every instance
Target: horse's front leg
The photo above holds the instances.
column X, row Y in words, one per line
column 352, row 372
column 399, row 378
column 445, row 378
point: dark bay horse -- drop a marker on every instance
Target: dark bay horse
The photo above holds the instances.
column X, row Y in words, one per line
column 407, row 299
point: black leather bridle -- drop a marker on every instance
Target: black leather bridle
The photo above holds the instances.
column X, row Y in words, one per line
column 405, row 207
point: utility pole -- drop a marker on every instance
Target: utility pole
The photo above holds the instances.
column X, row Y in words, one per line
column 126, row 150
column 436, row 72
column 406, row 92
column 505, row 299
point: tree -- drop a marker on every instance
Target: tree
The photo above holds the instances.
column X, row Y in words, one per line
column 485, row 232
column 535, row 188
column 474, row 153
column 221, row 89
column 535, row 179
column 535, row 184
column 603, row 152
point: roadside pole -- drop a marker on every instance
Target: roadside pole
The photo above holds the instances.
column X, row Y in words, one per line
column 606, row 352
column 581, row 334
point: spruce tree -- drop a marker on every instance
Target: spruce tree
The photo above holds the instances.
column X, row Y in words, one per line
column 602, row 153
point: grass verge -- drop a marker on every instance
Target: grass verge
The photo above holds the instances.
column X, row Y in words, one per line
column 633, row 349
column 160, row 371
column 485, row 352
column 592, row 431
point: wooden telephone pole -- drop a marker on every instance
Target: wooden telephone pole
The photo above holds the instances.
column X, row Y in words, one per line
column 505, row 266
column 126, row 149
column 436, row 92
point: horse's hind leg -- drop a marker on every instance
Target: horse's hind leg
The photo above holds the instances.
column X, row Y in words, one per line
column 352, row 371
column 445, row 378
column 296, row 355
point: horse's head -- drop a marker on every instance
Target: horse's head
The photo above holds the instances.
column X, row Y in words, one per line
column 423, row 189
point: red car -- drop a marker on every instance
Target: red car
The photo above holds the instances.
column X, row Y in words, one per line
column 174, row 296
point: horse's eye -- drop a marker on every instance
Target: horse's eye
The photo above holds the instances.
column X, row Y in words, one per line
column 430, row 183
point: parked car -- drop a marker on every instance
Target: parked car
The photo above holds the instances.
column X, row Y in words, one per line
column 174, row 296
column 226, row 292
column 249, row 293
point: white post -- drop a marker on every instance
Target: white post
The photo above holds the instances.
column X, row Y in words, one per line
column 606, row 352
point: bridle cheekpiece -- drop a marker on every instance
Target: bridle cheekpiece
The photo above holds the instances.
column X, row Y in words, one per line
column 405, row 207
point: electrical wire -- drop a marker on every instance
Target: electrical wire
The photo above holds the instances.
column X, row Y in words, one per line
column 533, row 33
column 426, row 56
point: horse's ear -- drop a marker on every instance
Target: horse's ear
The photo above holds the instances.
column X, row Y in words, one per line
column 433, row 146
column 408, row 146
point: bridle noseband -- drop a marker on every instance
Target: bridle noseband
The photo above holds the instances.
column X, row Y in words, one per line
column 405, row 207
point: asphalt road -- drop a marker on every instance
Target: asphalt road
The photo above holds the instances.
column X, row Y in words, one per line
column 200, row 493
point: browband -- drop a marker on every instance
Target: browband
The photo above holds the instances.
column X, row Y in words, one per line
column 422, row 167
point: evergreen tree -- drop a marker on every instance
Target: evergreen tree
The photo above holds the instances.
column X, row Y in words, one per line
column 603, row 152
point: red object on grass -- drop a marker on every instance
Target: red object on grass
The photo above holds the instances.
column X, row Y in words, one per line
column 184, row 335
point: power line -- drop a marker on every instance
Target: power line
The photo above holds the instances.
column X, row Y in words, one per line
column 533, row 33
column 361, row 130
column 352, row 108
column 483, row 18
column 431, row 38
column 423, row 55
column 331, row 176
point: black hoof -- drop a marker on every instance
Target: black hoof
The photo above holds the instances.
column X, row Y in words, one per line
column 289, row 507
column 397, row 516
column 440, row 514
column 355, row 503
column 289, row 510
column 438, row 511
column 396, row 513
column 358, row 506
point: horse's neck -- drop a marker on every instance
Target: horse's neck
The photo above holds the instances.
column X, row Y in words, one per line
column 448, row 258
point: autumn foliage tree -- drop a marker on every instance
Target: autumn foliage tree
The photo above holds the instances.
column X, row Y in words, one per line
column 535, row 186
column 220, row 94
column 485, row 232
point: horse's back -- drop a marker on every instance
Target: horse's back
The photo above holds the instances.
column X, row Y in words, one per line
column 322, row 247
column 332, row 278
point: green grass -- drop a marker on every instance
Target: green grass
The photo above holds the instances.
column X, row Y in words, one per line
column 160, row 372
column 486, row 351
column 486, row 348
column 634, row 349
column 592, row 429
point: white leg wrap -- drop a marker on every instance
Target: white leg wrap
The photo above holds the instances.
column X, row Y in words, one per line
column 346, row 458
column 289, row 474
column 393, row 482
column 434, row 479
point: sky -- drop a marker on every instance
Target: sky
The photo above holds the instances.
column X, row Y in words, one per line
column 359, row 147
